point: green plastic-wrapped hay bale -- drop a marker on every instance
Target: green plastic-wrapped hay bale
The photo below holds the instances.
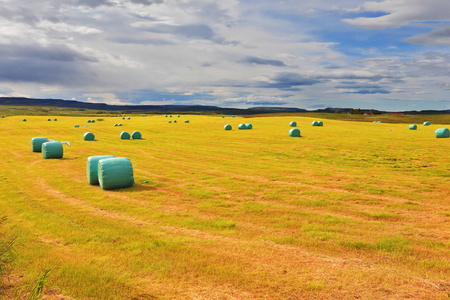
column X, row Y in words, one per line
column 76, row 126
column 442, row 133
column 170, row 122
column 315, row 123
column 293, row 124
column 36, row 143
column 412, row 127
column 92, row 121
column 49, row 119
column 115, row 125
column 92, row 168
column 56, row 119
column 427, row 123
column 89, row 136
column 115, row 173
column 136, row 135
column 89, row 121
column 24, row 120
column 227, row 127
column 242, row 127
column 124, row 135
column 119, row 124
column 295, row 132
column 52, row 150
column 128, row 118
column 249, row 126
column 175, row 121
column 186, row 121
column 319, row 123
column 223, row 116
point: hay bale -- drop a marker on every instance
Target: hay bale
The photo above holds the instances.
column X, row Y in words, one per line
column 89, row 136
column 49, row 119
column 293, row 124
column 186, row 121
column 319, row 123
column 56, row 119
column 227, row 127
column 128, row 118
column 92, row 168
column 136, row 135
column 115, row 125
column 178, row 116
column 412, row 127
column 427, row 123
column 115, row 173
column 89, row 121
column 249, row 126
column 76, row 126
column 442, row 133
column 52, row 150
column 119, row 125
column 223, row 116
column 92, row 121
column 125, row 135
column 175, row 121
column 170, row 121
column 295, row 132
column 242, row 127
column 36, row 143
column 24, row 120
column 315, row 123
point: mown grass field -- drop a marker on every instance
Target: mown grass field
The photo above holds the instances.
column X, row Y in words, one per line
column 350, row 210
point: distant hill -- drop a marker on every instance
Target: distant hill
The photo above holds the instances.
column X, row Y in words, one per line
column 21, row 101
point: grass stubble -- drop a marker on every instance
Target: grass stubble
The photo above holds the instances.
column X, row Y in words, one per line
column 348, row 210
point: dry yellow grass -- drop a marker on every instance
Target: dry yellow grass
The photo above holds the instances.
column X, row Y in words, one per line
column 349, row 210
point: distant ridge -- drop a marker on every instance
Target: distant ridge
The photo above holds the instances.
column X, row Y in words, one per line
column 22, row 101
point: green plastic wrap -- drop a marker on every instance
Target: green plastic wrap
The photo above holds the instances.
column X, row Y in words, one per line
column 76, row 126
column 442, row 133
column 295, row 132
column 52, row 150
column 89, row 136
column 249, row 126
column 36, row 143
column 293, row 124
column 412, row 127
column 186, row 121
column 427, row 123
column 319, row 123
column 115, row 173
column 136, row 135
column 315, row 123
column 242, row 126
column 227, row 127
column 125, row 135
column 92, row 168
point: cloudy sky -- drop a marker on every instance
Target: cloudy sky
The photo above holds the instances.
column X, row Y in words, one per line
column 386, row 54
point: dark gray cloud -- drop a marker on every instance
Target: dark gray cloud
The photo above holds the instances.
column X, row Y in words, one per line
column 262, row 61
column 440, row 37
column 51, row 65
column 194, row 31
column 288, row 81
column 20, row 15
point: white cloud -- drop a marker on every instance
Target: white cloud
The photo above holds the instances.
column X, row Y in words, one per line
column 401, row 13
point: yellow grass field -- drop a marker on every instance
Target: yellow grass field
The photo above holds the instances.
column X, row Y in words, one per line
column 350, row 210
